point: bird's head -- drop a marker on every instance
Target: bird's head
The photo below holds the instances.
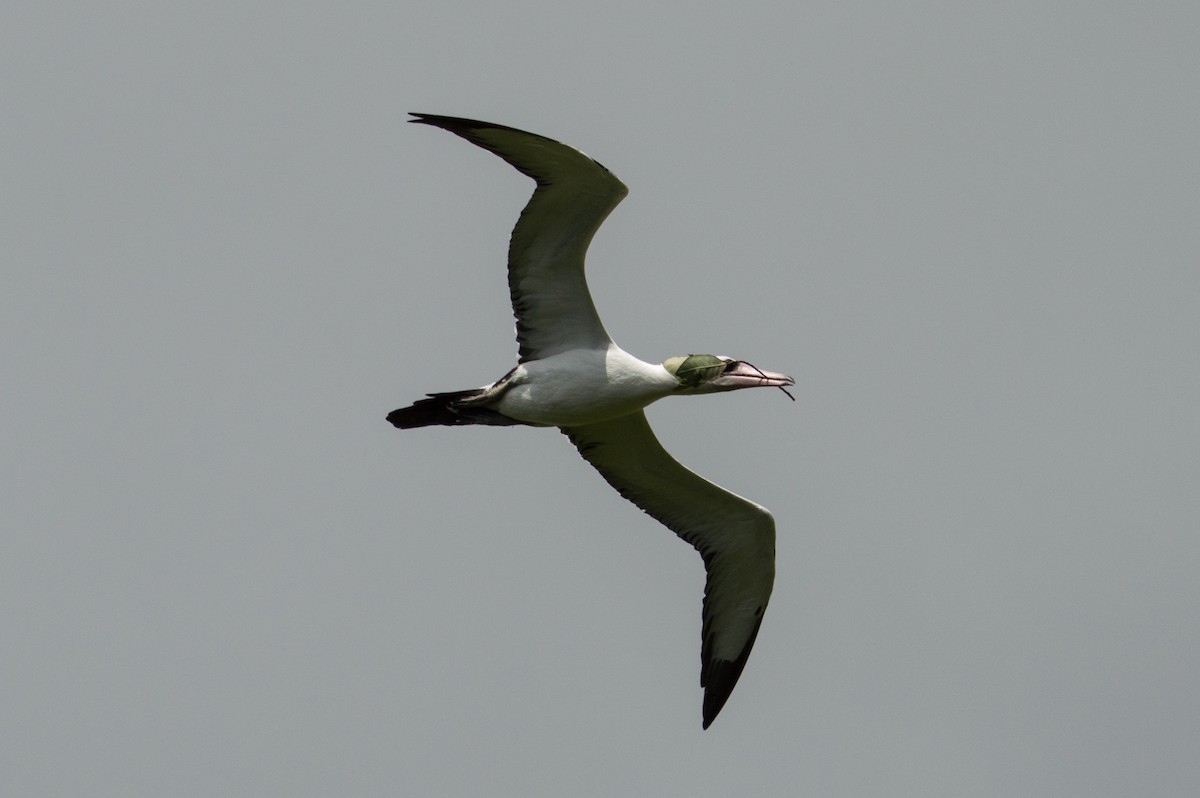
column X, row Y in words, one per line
column 712, row 373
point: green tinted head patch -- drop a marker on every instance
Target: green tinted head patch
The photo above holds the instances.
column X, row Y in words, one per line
column 695, row 370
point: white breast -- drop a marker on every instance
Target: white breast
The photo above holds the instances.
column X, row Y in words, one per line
column 583, row 386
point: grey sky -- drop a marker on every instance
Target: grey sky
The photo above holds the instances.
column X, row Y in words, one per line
column 969, row 230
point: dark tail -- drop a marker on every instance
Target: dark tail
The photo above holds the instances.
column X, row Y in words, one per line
column 447, row 410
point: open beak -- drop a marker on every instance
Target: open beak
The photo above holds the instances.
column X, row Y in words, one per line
column 740, row 374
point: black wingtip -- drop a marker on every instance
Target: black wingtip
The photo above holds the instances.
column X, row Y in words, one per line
column 458, row 124
column 719, row 677
column 437, row 120
column 448, row 122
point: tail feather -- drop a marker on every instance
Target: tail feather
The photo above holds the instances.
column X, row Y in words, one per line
column 445, row 409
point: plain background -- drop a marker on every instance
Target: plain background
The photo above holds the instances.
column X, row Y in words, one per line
column 968, row 229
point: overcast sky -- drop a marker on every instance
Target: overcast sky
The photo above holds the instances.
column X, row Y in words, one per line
column 969, row 230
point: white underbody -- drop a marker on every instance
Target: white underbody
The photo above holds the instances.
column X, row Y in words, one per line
column 583, row 386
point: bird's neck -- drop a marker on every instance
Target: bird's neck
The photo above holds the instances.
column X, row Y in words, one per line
column 624, row 368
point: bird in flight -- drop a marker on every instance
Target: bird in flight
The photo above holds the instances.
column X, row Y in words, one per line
column 570, row 375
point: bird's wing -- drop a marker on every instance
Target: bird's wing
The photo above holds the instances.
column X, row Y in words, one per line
column 546, row 281
column 736, row 538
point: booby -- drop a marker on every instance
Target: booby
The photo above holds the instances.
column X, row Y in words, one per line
column 570, row 375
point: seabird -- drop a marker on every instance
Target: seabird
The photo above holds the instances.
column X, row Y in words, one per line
column 570, row 375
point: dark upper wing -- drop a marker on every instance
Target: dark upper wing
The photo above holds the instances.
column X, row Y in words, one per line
column 546, row 281
column 736, row 538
